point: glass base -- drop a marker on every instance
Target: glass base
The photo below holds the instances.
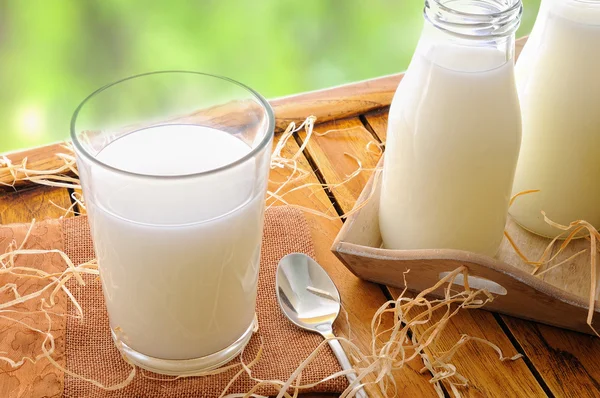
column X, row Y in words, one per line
column 184, row 367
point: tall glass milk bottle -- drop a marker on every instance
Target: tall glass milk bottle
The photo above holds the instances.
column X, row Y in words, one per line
column 454, row 131
column 558, row 78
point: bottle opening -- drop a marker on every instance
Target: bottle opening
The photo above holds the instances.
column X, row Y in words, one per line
column 478, row 7
column 479, row 19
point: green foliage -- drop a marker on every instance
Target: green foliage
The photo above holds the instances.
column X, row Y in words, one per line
column 56, row 52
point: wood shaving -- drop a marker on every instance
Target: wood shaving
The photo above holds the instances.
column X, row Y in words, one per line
column 572, row 232
column 65, row 176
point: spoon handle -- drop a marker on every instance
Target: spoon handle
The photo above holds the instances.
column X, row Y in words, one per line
column 337, row 349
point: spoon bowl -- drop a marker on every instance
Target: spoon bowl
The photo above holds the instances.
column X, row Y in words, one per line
column 306, row 294
column 309, row 298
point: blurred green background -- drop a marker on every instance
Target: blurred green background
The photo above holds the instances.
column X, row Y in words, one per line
column 53, row 53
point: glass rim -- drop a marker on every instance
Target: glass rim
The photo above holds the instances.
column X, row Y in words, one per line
column 510, row 8
column 269, row 133
column 476, row 26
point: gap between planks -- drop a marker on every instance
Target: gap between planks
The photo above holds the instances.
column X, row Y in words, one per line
column 320, row 178
column 521, row 351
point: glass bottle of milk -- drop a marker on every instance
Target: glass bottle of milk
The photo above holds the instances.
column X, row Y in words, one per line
column 454, row 131
column 558, row 79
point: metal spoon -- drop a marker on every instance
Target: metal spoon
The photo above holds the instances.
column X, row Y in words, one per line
column 309, row 298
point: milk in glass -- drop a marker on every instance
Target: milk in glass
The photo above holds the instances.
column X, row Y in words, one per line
column 178, row 258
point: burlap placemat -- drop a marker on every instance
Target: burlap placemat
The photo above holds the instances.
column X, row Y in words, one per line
column 89, row 350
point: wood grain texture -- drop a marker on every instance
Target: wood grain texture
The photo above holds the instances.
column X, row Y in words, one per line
column 338, row 102
column 360, row 299
column 330, row 153
column 573, row 277
column 487, row 373
column 377, row 122
column 481, row 365
column 40, row 202
column 567, row 361
column 40, row 379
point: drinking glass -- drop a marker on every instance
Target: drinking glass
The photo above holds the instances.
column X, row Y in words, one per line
column 174, row 168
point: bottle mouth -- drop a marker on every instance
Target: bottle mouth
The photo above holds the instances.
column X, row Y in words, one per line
column 475, row 19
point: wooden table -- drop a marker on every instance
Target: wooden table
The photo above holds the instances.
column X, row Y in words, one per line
column 556, row 362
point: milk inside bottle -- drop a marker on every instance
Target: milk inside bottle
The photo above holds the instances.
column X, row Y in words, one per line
column 558, row 78
column 454, row 132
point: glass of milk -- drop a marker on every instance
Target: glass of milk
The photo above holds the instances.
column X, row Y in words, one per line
column 454, row 131
column 558, row 78
column 174, row 169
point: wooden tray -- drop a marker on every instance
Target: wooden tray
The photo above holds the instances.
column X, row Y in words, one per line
column 558, row 297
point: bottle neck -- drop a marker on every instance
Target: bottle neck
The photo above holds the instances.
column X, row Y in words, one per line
column 475, row 19
column 476, row 24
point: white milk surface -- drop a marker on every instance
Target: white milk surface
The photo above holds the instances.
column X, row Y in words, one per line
column 558, row 76
column 178, row 259
column 452, row 144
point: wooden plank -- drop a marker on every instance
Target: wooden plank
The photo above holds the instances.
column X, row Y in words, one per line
column 40, row 379
column 486, row 373
column 337, row 102
column 36, row 202
column 567, row 361
column 556, row 354
column 480, row 364
column 330, row 153
column 40, row 158
column 377, row 123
